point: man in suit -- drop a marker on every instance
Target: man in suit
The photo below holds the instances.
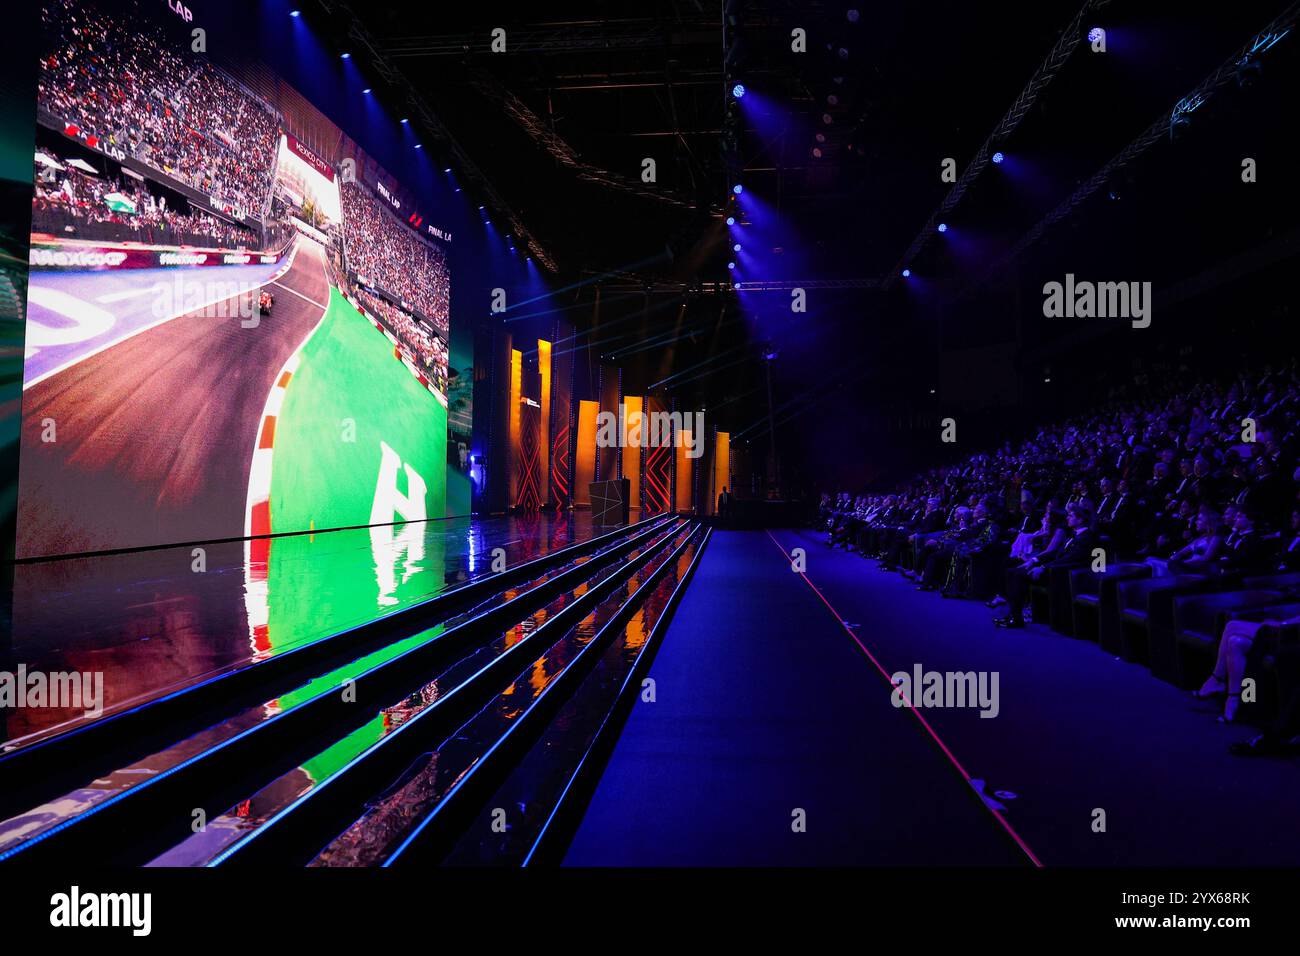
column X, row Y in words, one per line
column 1246, row 548
column 1268, row 493
column 890, row 544
column 932, row 522
column 1206, row 484
column 1186, row 480
column 1159, row 486
column 937, row 551
column 1107, row 501
column 1289, row 558
column 1076, row 550
column 1116, row 520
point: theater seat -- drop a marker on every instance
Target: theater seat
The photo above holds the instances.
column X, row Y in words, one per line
column 1132, row 608
column 1059, row 610
column 1261, row 657
column 1049, row 599
column 1091, row 592
column 987, row 571
column 1274, row 582
column 1185, row 655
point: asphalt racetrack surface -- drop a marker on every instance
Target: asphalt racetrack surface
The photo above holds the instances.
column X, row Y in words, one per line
column 154, row 435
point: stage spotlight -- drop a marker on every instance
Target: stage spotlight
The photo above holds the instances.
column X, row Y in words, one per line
column 1094, row 34
column 997, row 158
column 737, row 189
column 736, row 247
column 419, row 146
column 366, row 90
column 347, row 56
column 738, row 91
column 447, row 170
column 731, row 265
column 943, row 227
column 731, row 220
column 832, row 100
column 480, row 208
column 907, row 273
column 295, row 13
column 852, row 15
column 817, row 152
column 737, row 286
column 405, row 120
column 827, row 119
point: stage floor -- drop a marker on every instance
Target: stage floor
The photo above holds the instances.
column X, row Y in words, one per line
column 155, row 621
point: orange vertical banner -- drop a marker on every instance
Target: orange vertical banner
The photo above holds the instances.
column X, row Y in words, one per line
column 516, row 395
column 544, row 437
column 685, row 476
column 721, row 469
column 584, row 453
column 634, row 436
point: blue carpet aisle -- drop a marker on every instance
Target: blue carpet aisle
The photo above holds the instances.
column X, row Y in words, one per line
column 764, row 706
column 1078, row 730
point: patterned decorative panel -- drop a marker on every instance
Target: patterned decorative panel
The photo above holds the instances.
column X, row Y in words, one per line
column 529, row 481
column 656, row 489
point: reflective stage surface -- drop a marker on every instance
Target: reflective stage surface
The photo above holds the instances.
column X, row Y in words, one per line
column 155, row 621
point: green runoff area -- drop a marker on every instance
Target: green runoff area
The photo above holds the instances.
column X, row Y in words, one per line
column 349, row 394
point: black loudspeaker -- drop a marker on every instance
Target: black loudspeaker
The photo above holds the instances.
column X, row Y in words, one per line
column 609, row 501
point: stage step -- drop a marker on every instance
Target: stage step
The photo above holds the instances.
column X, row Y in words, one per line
column 544, row 780
column 87, row 800
column 296, row 832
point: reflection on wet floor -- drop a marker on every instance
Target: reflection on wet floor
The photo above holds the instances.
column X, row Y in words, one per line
column 250, row 813
column 390, row 818
column 534, row 786
column 155, row 621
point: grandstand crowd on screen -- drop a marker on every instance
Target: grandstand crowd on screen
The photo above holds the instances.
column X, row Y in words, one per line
column 124, row 83
column 391, row 256
column 69, row 200
column 429, row 350
column 128, row 85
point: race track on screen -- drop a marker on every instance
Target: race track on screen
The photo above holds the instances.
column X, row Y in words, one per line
column 153, row 436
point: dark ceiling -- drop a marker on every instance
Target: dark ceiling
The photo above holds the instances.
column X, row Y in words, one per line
column 585, row 91
column 561, row 122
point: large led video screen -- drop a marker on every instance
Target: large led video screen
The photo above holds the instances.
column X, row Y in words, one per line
column 231, row 331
